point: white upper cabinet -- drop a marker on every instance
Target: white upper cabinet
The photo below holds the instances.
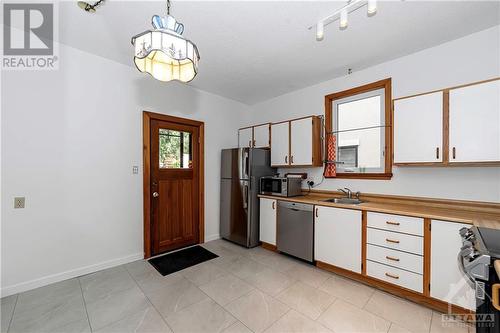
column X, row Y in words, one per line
column 268, row 221
column 447, row 282
column 261, row 136
column 301, row 144
column 418, row 129
column 475, row 123
column 337, row 237
column 280, row 144
column 245, row 137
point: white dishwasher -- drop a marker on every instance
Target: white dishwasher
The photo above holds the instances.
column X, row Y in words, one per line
column 296, row 230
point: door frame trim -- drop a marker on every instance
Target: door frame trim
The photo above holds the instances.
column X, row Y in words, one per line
column 147, row 117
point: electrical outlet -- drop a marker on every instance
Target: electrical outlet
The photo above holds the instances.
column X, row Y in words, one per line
column 135, row 169
column 19, row 202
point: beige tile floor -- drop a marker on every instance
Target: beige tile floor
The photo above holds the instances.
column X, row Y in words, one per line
column 241, row 291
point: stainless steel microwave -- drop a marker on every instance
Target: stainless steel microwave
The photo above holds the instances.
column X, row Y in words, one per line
column 281, row 186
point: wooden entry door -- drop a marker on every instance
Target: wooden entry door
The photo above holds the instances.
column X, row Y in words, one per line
column 175, row 186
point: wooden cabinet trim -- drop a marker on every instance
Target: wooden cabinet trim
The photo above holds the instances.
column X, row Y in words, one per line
column 411, row 295
column 316, row 143
column 447, row 160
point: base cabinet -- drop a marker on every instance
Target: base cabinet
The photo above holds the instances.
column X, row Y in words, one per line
column 268, row 221
column 447, row 282
column 337, row 237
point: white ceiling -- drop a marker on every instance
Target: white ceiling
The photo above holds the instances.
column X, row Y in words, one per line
column 255, row 50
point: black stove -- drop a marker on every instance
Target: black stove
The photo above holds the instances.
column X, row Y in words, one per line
column 480, row 249
column 491, row 241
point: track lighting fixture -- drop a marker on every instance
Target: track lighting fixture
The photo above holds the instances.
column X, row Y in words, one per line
column 342, row 14
column 320, row 31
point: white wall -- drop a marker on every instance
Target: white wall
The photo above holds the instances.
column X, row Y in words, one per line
column 69, row 141
column 472, row 58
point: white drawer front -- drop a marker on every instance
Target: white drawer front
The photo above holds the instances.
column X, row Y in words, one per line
column 395, row 276
column 406, row 224
column 411, row 262
column 397, row 241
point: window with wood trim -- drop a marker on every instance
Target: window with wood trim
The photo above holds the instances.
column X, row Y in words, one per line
column 360, row 118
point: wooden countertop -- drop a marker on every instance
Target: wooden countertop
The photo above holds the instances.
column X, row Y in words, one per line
column 477, row 218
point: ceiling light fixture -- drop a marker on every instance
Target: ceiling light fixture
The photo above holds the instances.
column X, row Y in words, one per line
column 88, row 7
column 342, row 14
column 320, row 31
column 164, row 53
column 343, row 19
column 372, row 7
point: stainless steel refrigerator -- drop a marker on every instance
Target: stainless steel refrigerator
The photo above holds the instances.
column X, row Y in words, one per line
column 241, row 169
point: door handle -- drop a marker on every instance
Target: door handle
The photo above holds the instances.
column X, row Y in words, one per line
column 250, row 143
column 316, row 212
column 274, row 204
column 156, row 194
column 291, row 159
column 286, row 159
column 437, row 153
column 454, row 152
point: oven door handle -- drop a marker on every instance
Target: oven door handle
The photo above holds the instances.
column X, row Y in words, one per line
column 495, row 295
column 461, row 266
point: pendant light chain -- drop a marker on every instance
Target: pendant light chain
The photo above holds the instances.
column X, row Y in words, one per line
column 168, row 7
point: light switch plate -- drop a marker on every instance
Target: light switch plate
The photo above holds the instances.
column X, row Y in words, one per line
column 135, row 169
column 19, row 202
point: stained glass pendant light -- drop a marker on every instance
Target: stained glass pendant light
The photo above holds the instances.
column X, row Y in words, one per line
column 164, row 53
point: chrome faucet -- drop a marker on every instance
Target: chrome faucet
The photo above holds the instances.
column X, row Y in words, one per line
column 348, row 192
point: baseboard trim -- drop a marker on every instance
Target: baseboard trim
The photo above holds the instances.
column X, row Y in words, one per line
column 46, row 280
column 212, row 237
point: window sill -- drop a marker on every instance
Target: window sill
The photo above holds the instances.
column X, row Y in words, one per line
column 374, row 176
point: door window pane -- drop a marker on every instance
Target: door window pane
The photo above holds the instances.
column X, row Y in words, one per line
column 175, row 149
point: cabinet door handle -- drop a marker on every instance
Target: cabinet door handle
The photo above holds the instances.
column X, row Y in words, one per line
column 291, row 159
column 392, row 223
column 437, row 153
column 316, row 212
column 392, row 276
column 250, row 143
column 274, row 204
column 286, row 159
column 454, row 152
column 392, row 241
column 391, row 258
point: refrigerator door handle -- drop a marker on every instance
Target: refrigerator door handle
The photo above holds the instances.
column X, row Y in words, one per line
column 245, row 196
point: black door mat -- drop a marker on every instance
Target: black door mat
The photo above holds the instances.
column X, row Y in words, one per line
column 176, row 261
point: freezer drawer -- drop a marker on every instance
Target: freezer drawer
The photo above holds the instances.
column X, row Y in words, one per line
column 295, row 230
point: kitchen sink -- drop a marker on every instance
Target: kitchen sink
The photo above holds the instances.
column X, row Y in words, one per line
column 346, row 201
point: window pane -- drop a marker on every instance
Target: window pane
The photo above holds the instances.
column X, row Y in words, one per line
column 359, row 113
column 175, row 149
column 358, row 121
column 361, row 150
